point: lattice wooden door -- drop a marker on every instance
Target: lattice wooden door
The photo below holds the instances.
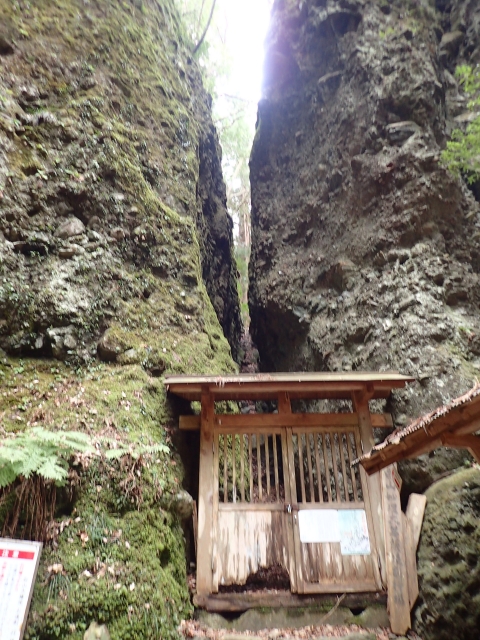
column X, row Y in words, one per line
column 252, row 528
column 335, row 547
column 289, row 498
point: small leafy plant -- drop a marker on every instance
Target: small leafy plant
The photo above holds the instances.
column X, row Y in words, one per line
column 462, row 154
column 41, row 452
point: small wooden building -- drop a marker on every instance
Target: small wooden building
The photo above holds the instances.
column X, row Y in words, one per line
column 278, row 490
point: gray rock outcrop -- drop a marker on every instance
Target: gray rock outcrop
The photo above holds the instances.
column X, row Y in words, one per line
column 366, row 250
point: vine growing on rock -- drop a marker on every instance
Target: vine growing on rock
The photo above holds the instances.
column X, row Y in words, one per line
column 462, row 154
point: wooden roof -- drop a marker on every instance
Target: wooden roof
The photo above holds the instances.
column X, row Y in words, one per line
column 450, row 425
column 267, row 386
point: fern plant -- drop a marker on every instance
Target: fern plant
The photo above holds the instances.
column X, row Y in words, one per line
column 41, row 452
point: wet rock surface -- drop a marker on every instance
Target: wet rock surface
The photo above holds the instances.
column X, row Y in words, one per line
column 366, row 250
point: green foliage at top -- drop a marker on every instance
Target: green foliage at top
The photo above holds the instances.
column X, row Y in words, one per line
column 462, row 154
column 46, row 453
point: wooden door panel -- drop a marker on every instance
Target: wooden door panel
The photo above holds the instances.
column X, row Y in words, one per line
column 252, row 530
column 323, row 480
column 249, row 541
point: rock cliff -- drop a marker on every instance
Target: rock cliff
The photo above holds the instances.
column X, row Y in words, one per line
column 366, row 250
column 115, row 266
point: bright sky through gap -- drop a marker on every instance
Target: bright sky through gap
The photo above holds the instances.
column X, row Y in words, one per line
column 245, row 24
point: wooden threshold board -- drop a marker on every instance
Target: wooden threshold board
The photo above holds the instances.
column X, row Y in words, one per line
column 231, row 602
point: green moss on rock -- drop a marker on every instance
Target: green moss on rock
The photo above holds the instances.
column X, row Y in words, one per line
column 448, row 560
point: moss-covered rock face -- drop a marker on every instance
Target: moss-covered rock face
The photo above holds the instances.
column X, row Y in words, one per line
column 108, row 164
column 448, row 560
column 115, row 267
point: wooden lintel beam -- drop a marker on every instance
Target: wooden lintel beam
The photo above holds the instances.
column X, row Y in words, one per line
column 255, row 420
column 460, row 442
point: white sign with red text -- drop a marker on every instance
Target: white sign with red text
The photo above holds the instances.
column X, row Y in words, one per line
column 18, row 569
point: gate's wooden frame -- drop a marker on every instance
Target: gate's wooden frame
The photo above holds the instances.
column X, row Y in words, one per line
column 357, row 387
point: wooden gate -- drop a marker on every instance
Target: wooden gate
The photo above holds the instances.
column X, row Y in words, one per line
column 289, row 498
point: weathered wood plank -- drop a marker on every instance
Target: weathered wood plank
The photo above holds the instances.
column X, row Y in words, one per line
column 411, row 562
column 300, row 466
column 290, row 497
column 267, row 463
column 415, row 512
column 248, row 541
column 275, row 463
column 327, row 468
column 344, row 468
column 216, row 488
column 225, row 469
column 242, row 467
column 333, row 448
column 250, row 463
column 352, row 469
column 234, row 468
column 189, row 423
column 308, row 453
column 371, row 484
column 397, row 580
column 319, row 472
column 236, row 602
column 252, row 420
column 205, row 499
column 290, row 490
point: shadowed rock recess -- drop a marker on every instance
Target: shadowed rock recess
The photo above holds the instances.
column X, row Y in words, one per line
column 115, row 267
column 366, row 250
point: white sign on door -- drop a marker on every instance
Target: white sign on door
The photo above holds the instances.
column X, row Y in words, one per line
column 318, row 525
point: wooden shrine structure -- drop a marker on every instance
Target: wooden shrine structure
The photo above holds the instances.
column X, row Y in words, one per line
column 452, row 425
column 280, row 490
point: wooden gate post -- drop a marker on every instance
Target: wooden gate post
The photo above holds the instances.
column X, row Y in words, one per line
column 360, row 403
column 206, row 489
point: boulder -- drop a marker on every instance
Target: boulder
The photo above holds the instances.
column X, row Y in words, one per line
column 449, row 560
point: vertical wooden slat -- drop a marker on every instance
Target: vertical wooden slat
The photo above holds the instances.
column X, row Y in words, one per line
column 234, row 467
column 308, row 452
column 267, row 465
column 206, row 491
column 275, row 464
column 250, row 457
column 242, row 466
column 352, row 469
column 333, row 448
column 259, row 468
column 327, row 466
column 317, row 462
column 225, row 468
column 344, row 468
column 294, row 545
column 300, row 465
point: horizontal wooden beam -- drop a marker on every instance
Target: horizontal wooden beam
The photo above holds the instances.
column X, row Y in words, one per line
column 216, row 603
column 460, row 442
column 257, row 420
